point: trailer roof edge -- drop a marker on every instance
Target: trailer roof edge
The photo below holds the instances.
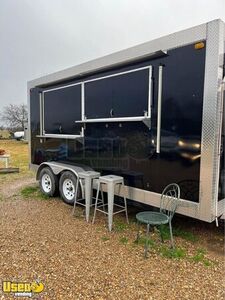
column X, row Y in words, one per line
column 127, row 55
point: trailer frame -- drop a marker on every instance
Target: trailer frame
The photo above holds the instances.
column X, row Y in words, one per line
column 208, row 208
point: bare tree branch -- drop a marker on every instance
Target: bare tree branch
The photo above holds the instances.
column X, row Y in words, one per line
column 14, row 116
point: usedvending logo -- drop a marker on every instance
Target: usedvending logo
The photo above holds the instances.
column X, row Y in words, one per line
column 22, row 289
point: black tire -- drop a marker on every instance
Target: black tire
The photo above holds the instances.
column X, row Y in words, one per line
column 67, row 187
column 48, row 182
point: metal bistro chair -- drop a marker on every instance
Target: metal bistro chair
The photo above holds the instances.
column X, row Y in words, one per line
column 168, row 206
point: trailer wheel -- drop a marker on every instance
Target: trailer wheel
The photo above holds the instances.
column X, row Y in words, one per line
column 48, row 182
column 67, row 187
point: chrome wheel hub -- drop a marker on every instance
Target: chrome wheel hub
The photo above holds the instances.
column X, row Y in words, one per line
column 46, row 183
column 69, row 189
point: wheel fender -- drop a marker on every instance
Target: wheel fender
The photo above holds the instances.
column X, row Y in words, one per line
column 58, row 169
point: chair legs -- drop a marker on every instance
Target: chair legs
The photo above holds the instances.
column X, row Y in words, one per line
column 171, row 235
column 148, row 236
column 161, row 233
column 147, row 239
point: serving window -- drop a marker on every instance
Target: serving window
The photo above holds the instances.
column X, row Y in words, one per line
column 121, row 95
column 124, row 96
column 61, row 108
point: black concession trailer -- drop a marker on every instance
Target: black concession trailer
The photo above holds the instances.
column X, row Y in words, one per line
column 152, row 113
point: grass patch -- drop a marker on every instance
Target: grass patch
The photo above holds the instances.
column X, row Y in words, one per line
column 143, row 240
column 177, row 231
column 120, row 226
column 104, row 238
column 29, row 191
column 177, row 253
column 207, row 262
column 186, row 235
column 132, row 219
column 165, row 232
column 33, row 192
column 200, row 257
column 18, row 152
column 5, row 134
column 124, row 240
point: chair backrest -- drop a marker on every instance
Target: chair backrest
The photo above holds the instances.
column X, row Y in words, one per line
column 169, row 199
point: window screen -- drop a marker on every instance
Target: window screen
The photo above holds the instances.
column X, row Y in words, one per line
column 125, row 95
column 62, row 108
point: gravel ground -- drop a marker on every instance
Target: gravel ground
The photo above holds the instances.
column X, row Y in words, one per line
column 40, row 239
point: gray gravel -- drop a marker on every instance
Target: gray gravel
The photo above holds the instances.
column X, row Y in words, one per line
column 76, row 260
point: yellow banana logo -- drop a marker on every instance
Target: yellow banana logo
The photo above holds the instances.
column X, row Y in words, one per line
column 37, row 287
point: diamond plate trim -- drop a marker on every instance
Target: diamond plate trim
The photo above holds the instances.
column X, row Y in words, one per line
column 211, row 123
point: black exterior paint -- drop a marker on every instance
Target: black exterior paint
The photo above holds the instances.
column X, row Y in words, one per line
column 55, row 110
column 129, row 148
column 105, row 98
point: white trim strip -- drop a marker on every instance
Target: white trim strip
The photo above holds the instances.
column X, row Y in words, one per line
column 82, row 101
column 95, row 79
column 62, row 87
column 159, row 110
column 123, row 119
column 150, row 92
column 41, row 113
column 60, row 136
column 117, row 74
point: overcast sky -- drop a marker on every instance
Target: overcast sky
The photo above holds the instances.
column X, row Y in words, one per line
column 38, row 37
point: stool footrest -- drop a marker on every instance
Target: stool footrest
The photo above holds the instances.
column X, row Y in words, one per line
column 114, row 213
column 78, row 202
column 119, row 205
column 84, row 204
column 119, row 211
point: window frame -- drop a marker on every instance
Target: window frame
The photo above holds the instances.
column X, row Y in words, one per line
column 42, row 113
column 146, row 116
column 121, row 119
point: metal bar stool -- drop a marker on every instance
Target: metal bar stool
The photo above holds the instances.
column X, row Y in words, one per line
column 87, row 177
column 111, row 181
column 5, row 157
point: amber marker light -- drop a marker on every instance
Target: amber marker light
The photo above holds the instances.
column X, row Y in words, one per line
column 199, row 45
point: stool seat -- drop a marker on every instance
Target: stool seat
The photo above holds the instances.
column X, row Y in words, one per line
column 152, row 217
column 5, row 157
column 111, row 178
